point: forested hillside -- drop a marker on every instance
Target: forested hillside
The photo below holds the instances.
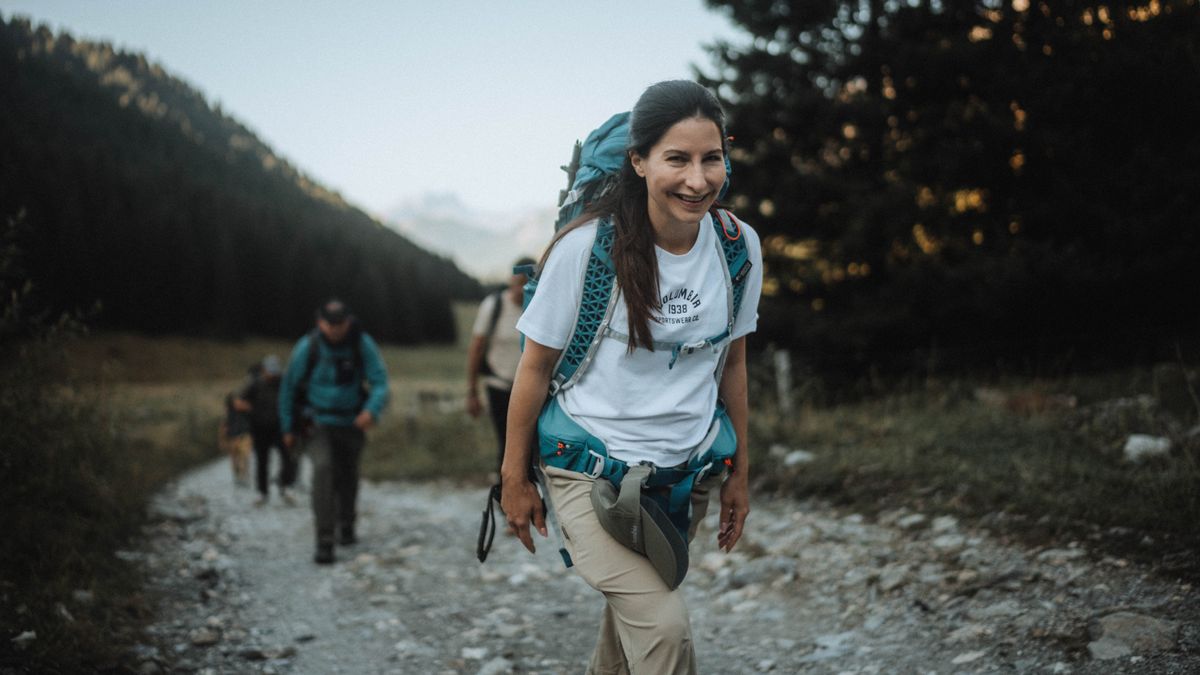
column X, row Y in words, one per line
column 970, row 182
column 138, row 194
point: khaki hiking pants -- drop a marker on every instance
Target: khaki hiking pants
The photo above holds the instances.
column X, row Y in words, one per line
column 644, row 629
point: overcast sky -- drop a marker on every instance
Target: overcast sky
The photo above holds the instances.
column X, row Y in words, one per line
column 386, row 100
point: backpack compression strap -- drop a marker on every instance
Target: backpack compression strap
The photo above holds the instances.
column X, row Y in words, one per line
column 595, row 310
column 737, row 268
column 737, row 256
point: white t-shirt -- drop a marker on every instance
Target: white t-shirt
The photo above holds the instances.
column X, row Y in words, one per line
column 642, row 410
column 504, row 348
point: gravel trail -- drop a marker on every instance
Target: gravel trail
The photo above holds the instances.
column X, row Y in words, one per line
column 810, row 590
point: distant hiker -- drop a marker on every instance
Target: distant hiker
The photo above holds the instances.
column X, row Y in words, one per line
column 333, row 391
column 233, row 438
column 661, row 412
column 494, row 352
column 259, row 398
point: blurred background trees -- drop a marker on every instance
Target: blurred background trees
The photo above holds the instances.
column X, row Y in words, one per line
column 956, row 184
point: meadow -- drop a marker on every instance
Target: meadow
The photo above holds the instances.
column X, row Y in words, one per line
column 1037, row 459
column 169, row 393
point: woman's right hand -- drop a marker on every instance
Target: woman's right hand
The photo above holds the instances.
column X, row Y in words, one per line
column 522, row 506
column 518, row 497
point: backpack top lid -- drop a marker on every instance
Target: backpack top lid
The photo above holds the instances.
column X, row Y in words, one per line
column 592, row 167
column 603, row 151
column 600, row 159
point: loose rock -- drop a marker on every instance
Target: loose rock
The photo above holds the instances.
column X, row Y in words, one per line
column 1125, row 633
column 809, row 589
column 1139, row 447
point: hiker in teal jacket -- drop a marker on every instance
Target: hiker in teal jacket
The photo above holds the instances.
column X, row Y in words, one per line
column 330, row 398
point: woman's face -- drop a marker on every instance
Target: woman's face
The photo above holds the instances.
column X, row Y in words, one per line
column 684, row 171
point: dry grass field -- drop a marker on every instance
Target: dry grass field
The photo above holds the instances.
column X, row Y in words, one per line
column 166, row 394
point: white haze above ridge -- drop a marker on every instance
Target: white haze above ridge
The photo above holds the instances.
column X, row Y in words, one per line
column 483, row 244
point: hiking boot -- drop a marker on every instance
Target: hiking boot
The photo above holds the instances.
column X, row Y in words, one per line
column 324, row 554
column 346, row 536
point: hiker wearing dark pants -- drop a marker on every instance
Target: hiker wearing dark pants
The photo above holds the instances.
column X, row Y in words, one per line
column 335, row 453
column 661, row 413
column 333, row 391
column 266, row 440
column 494, row 352
column 259, row 397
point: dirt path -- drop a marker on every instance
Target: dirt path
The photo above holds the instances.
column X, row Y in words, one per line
column 811, row 590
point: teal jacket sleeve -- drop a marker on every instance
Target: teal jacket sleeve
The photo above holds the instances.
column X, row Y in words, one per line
column 376, row 373
column 287, row 386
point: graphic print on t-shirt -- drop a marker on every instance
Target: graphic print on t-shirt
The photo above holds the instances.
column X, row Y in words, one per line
column 679, row 306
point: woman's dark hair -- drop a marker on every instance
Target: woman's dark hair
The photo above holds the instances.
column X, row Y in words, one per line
column 658, row 109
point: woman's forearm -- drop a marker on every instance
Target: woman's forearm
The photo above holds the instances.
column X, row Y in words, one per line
column 734, row 392
column 474, row 362
column 528, row 394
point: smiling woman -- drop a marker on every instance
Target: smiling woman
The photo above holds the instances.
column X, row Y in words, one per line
column 662, row 407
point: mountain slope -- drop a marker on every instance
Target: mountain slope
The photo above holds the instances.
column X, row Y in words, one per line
column 176, row 218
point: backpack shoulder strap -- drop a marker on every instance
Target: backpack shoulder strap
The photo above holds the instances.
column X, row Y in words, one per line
column 737, row 256
column 356, row 338
column 737, row 267
column 497, row 305
column 300, row 391
column 314, row 354
column 596, row 303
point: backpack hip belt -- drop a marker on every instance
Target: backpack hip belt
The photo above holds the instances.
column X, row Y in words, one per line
column 564, row 444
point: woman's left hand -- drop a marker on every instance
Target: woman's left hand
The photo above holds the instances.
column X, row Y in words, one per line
column 735, row 506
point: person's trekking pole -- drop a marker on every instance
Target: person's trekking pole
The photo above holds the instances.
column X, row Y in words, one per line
column 487, row 528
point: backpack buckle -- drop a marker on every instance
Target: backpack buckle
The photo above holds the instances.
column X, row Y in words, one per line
column 598, row 468
column 686, row 348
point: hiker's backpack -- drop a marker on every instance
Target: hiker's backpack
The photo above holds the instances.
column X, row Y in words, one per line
column 594, row 169
column 302, row 415
column 263, row 396
column 498, row 305
column 236, row 423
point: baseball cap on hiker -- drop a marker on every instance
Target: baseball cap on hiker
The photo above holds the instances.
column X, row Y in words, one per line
column 271, row 365
column 640, row 524
column 334, row 311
